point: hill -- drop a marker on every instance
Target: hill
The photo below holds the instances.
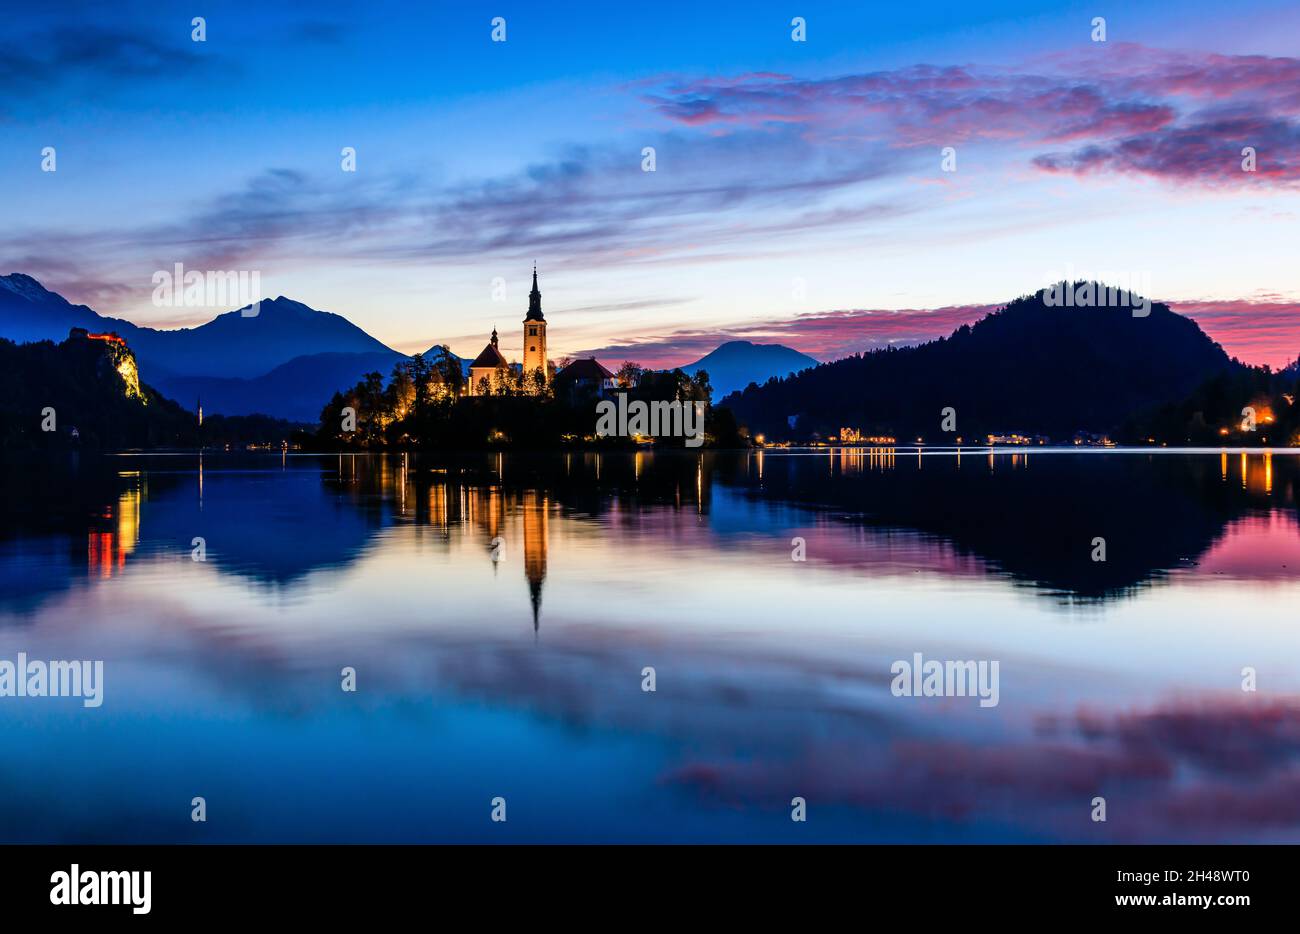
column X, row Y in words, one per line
column 1029, row 367
column 87, row 392
column 83, row 392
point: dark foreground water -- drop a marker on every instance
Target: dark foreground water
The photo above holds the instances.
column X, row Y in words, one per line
column 499, row 613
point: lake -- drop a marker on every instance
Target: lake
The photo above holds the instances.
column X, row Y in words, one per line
column 500, row 612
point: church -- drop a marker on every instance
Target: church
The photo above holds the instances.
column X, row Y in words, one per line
column 491, row 372
column 580, row 380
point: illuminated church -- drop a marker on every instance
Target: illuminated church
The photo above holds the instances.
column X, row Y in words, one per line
column 490, row 370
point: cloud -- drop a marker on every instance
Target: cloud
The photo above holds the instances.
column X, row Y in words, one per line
column 1257, row 331
column 1178, row 116
column 89, row 59
column 827, row 335
column 592, row 205
column 1209, row 150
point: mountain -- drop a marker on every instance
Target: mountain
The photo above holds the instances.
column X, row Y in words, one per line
column 736, row 364
column 438, row 351
column 230, row 345
column 1029, row 367
column 30, row 312
column 285, row 361
column 296, row 390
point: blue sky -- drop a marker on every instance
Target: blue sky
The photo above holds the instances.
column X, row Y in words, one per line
column 798, row 194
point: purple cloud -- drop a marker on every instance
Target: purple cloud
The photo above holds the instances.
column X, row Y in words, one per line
column 1130, row 110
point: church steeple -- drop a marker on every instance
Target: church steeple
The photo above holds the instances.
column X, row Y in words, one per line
column 535, row 365
column 494, row 337
column 534, row 301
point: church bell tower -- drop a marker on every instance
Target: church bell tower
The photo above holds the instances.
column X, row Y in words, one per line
column 534, row 333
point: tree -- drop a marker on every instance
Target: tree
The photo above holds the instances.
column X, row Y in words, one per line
column 400, row 396
column 629, row 374
column 535, row 384
column 448, row 367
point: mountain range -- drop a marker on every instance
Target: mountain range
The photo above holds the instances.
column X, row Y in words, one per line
column 288, row 358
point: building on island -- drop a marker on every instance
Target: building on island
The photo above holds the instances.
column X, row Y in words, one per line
column 584, row 379
column 492, row 373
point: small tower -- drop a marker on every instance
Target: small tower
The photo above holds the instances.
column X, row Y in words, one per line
column 200, row 401
column 489, row 366
column 535, row 333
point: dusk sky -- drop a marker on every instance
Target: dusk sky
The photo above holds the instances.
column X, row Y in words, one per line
column 798, row 195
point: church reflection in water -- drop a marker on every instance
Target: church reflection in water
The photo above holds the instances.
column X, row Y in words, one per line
column 502, row 516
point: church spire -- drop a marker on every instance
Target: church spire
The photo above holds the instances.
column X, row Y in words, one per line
column 534, row 300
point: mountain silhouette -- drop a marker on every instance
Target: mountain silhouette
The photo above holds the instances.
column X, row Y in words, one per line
column 295, row 390
column 736, row 364
column 31, row 312
column 284, row 361
column 83, row 391
column 236, row 344
column 438, row 351
column 1030, row 367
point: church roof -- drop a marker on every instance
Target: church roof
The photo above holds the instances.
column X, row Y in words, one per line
column 490, row 357
column 588, row 368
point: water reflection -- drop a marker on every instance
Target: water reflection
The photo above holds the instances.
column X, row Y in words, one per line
column 500, row 611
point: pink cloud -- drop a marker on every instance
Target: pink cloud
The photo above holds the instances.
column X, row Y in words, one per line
column 1179, row 116
column 1254, row 331
column 826, row 335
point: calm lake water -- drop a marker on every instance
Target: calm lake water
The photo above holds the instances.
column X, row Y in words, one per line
column 499, row 612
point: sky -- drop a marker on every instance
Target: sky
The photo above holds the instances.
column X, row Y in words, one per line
column 799, row 192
